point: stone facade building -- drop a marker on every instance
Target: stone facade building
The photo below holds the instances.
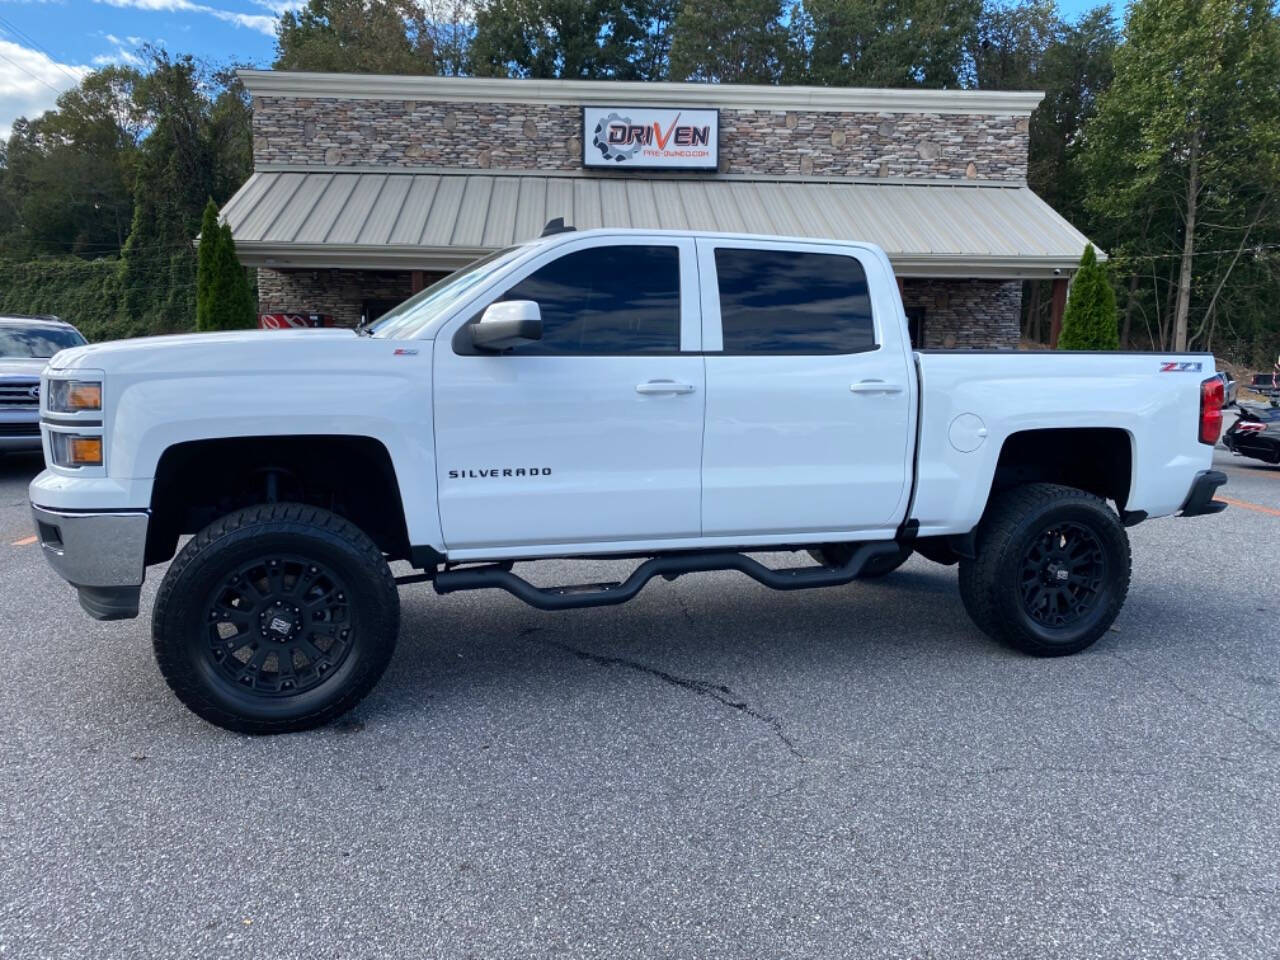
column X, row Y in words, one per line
column 368, row 187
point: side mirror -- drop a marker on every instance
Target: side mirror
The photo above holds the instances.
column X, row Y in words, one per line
column 507, row 324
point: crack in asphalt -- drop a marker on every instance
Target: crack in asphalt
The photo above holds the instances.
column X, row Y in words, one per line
column 704, row 688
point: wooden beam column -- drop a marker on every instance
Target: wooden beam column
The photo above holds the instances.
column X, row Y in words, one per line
column 1056, row 308
column 415, row 281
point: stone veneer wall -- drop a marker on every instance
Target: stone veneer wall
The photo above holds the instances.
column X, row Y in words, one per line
column 967, row 314
column 338, row 293
column 419, row 133
column 962, row 314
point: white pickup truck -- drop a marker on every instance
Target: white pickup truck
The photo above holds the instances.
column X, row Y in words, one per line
column 682, row 399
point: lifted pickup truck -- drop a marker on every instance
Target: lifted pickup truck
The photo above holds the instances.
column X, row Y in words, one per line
column 682, row 399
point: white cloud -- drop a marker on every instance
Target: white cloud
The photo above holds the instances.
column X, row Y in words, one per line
column 30, row 82
column 119, row 56
column 280, row 6
column 253, row 21
column 124, row 54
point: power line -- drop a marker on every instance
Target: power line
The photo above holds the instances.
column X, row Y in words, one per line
column 31, row 75
column 8, row 24
column 1251, row 248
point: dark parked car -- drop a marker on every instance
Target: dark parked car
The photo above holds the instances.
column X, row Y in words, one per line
column 26, row 344
column 1256, row 434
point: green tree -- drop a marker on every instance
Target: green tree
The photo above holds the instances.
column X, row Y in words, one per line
column 575, row 39
column 158, row 276
column 1089, row 322
column 66, row 183
column 1182, row 160
column 356, row 36
column 226, row 299
column 872, row 43
column 206, row 264
column 729, row 41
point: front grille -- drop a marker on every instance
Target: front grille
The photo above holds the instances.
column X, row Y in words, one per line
column 19, row 429
column 16, row 394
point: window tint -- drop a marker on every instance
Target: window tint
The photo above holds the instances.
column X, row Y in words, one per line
column 780, row 301
column 606, row 300
column 36, row 343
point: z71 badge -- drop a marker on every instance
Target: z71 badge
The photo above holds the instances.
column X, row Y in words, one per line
column 1180, row 366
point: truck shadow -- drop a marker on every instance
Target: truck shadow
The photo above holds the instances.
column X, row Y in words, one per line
column 710, row 632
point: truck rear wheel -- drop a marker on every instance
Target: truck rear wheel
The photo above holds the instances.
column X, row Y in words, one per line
column 275, row 618
column 837, row 555
column 1051, row 572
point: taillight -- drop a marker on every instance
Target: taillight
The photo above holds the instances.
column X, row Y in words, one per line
column 1211, row 397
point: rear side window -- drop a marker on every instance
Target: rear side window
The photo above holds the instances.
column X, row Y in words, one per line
column 606, row 300
column 787, row 302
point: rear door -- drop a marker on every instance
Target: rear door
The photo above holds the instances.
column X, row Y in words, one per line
column 809, row 392
column 592, row 436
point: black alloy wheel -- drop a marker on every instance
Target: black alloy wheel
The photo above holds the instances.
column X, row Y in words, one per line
column 1063, row 570
column 275, row 618
column 1051, row 571
column 280, row 625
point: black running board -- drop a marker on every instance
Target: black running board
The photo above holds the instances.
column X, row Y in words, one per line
column 669, row 565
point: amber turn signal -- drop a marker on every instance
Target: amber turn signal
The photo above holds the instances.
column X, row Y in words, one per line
column 85, row 396
column 72, row 450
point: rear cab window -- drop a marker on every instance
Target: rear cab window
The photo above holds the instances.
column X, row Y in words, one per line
column 790, row 302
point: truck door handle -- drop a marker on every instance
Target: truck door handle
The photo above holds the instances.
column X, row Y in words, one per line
column 661, row 387
column 875, row 386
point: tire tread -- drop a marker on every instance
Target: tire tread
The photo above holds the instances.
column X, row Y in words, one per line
column 999, row 527
column 284, row 518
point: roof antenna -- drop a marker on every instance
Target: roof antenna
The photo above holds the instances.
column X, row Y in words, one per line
column 555, row 226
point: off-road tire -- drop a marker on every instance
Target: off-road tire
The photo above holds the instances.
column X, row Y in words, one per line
column 837, row 555
column 370, row 611
column 995, row 586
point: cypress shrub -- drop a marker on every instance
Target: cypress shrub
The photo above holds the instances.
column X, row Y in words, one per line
column 228, row 301
column 1089, row 322
column 210, row 235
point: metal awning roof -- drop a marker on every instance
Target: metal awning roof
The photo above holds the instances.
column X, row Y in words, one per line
column 371, row 218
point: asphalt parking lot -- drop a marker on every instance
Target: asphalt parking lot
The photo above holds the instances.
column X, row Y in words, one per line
column 715, row 770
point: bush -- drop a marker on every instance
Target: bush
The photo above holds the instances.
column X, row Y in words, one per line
column 225, row 299
column 87, row 293
column 1089, row 322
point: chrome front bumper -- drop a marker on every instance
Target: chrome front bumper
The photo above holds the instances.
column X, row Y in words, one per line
column 100, row 554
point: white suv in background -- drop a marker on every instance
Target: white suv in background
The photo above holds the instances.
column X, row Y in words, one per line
column 26, row 346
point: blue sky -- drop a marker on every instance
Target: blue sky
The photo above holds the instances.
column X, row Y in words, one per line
column 47, row 45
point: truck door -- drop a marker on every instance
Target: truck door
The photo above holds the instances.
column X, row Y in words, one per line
column 592, row 435
column 809, row 392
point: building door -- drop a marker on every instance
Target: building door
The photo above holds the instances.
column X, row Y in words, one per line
column 808, row 426
column 594, row 433
column 371, row 310
column 915, row 326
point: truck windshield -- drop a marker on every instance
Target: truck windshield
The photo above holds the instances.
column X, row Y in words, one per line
column 413, row 318
column 35, row 343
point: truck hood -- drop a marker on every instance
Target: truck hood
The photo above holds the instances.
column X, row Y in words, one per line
column 204, row 352
column 21, row 366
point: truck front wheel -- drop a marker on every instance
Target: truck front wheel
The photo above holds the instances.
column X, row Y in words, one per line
column 1051, row 571
column 275, row 618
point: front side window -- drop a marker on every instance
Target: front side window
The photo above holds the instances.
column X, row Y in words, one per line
column 789, row 302
column 606, row 300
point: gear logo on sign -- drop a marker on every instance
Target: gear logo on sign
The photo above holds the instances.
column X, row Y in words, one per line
column 613, row 151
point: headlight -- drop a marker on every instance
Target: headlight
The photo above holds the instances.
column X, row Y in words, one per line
column 73, row 450
column 74, row 396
